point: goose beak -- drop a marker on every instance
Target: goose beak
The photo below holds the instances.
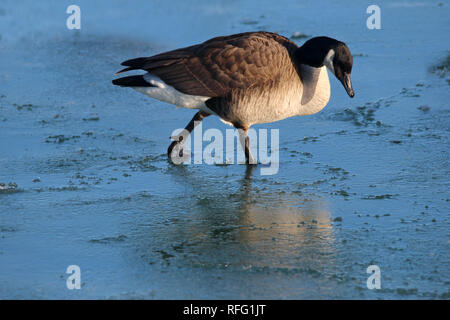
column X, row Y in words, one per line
column 347, row 83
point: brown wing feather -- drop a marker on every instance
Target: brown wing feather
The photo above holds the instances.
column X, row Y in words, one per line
column 219, row 65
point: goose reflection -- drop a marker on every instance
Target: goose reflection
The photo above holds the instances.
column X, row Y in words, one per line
column 245, row 223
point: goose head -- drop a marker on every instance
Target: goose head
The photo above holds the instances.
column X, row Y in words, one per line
column 335, row 55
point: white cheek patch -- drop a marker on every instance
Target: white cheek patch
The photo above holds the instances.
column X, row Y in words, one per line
column 328, row 61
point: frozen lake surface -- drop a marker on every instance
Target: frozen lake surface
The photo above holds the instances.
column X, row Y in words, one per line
column 86, row 181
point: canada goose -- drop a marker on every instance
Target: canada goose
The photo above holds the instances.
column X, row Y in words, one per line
column 244, row 79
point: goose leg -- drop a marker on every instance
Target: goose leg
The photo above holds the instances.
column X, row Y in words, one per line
column 245, row 142
column 198, row 117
